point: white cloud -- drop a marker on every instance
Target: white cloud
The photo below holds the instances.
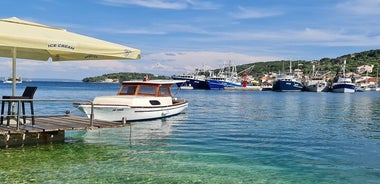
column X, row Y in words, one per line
column 361, row 7
column 245, row 13
column 166, row 4
column 333, row 38
column 161, row 4
column 309, row 34
column 180, row 62
column 184, row 28
column 159, row 29
column 306, row 36
column 139, row 31
column 204, row 5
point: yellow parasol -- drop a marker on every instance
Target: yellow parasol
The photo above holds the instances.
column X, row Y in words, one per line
column 29, row 40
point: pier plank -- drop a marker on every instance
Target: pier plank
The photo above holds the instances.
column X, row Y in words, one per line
column 48, row 129
column 56, row 123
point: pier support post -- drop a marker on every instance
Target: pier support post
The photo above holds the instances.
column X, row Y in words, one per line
column 31, row 138
column 3, row 140
column 51, row 137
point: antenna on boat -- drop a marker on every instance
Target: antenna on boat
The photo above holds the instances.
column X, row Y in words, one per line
column 313, row 74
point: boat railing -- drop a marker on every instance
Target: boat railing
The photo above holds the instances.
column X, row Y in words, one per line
column 43, row 108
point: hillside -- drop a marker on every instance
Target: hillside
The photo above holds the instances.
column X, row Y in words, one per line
column 371, row 57
column 123, row 76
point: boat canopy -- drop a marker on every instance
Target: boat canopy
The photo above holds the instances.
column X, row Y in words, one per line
column 154, row 82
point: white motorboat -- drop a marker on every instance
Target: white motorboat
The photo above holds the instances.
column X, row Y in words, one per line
column 136, row 100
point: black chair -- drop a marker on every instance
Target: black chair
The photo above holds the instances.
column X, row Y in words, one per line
column 26, row 97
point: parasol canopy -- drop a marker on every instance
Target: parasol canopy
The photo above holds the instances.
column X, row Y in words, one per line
column 29, row 40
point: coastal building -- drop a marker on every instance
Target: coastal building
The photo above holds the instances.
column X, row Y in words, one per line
column 111, row 80
column 364, row 69
column 298, row 73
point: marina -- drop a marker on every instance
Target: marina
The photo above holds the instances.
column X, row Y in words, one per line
column 136, row 100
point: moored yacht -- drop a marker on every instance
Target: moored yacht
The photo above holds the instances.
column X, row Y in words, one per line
column 136, row 100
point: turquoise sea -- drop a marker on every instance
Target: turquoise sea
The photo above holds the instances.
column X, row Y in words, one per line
column 223, row 137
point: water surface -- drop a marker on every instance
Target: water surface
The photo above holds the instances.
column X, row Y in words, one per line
column 223, row 137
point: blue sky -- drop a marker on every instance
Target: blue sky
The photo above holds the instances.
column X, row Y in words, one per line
column 177, row 36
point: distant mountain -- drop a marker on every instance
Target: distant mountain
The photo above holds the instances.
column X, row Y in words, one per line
column 123, row 76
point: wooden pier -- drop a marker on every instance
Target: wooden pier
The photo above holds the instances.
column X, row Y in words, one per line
column 48, row 129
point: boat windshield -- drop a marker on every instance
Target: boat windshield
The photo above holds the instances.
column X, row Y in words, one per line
column 164, row 91
column 150, row 90
column 147, row 90
column 127, row 90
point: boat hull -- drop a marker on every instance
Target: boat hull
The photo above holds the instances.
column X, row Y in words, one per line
column 247, row 88
column 218, row 84
column 343, row 88
column 285, row 86
column 117, row 113
column 196, row 84
column 199, row 84
column 370, row 87
column 318, row 87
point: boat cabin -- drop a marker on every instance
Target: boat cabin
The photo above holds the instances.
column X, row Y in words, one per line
column 146, row 88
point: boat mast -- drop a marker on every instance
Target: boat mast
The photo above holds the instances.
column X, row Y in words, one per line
column 344, row 69
column 283, row 67
column 290, row 67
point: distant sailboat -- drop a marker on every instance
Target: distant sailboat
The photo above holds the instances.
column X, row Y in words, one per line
column 9, row 80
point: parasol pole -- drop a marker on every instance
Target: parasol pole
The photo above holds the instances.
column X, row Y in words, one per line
column 14, row 71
